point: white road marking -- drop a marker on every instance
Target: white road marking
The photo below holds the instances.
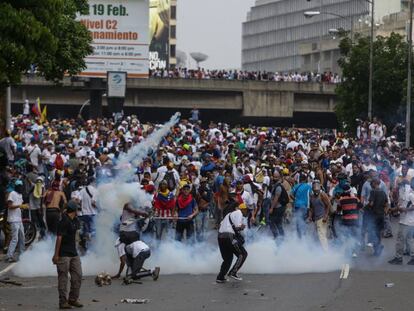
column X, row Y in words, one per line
column 7, row 269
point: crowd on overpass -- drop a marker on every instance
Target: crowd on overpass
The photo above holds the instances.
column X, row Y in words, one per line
column 321, row 183
column 240, row 75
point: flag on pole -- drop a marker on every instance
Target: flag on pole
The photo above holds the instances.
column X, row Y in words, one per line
column 43, row 117
column 36, row 108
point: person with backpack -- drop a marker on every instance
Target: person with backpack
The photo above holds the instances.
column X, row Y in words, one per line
column 171, row 177
column 300, row 194
column 319, row 207
column 87, row 196
column 279, row 200
column 230, row 241
column 58, row 160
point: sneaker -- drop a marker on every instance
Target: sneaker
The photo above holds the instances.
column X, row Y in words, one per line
column 75, row 304
column 234, row 276
column 11, row 260
column 156, row 273
column 396, row 261
column 411, row 262
column 221, row 281
column 354, row 255
column 65, row 306
column 388, row 236
column 369, row 248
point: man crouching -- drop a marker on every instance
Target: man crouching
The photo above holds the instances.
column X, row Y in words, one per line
column 136, row 253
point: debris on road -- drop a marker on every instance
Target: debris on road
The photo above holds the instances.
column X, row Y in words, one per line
column 388, row 285
column 103, row 279
column 6, row 281
column 135, row 300
column 95, row 300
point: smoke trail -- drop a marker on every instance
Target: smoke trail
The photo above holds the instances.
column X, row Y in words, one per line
column 112, row 195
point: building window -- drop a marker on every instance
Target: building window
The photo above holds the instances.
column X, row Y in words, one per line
column 172, row 50
column 173, row 12
column 173, row 32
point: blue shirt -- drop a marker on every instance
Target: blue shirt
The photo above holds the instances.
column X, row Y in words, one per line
column 186, row 211
column 301, row 194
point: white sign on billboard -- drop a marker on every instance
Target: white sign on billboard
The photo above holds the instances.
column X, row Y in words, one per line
column 120, row 34
column 116, row 84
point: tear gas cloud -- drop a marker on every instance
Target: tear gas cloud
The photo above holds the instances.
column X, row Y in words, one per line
column 292, row 256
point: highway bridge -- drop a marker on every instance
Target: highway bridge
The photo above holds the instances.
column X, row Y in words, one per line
column 284, row 103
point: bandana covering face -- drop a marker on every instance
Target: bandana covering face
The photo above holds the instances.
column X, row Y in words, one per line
column 183, row 201
column 37, row 191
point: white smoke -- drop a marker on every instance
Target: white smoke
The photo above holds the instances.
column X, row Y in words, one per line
column 265, row 257
column 292, row 256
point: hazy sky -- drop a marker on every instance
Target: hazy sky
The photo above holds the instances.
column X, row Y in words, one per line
column 212, row 27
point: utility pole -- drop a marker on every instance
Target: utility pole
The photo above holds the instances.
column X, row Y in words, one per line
column 409, row 78
column 320, row 39
column 371, row 61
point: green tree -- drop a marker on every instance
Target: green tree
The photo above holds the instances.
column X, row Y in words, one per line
column 44, row 34
column 390, row 76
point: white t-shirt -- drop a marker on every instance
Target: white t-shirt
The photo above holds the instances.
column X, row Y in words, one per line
column 236, row 218
column 120, row 248
column 15, row 214
column 136, row 248
column 408, row 218
column 34, row 152
column 87, row 201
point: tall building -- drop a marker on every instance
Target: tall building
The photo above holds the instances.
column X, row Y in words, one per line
column 163, row 33
column 275, row 29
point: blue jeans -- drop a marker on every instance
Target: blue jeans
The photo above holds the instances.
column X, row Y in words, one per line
column 17, row 238
column 87, row 225
column 201, row 225
column 300, row 215
column 375, row 225
column 160, row 226
column 266, row 207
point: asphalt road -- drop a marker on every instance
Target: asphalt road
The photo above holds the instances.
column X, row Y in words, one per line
column 363, row 289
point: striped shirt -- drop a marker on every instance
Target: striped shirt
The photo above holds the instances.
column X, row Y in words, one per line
column 350, row 210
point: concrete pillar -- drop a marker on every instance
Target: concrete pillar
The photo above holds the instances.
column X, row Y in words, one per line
column 97, row 88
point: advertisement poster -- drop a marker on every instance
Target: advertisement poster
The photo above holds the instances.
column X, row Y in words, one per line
column 119, row 29
column 159, row 34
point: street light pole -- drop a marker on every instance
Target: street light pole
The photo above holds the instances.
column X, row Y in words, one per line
column 371, row 62
column 320, row 40
column 409, row 78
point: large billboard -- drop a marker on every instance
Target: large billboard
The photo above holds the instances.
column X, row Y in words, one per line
column 119, row 29
column 159, row 33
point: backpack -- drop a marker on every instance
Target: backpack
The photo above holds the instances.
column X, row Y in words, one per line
column 284, row 197
column 59, row 164
column 170, row 179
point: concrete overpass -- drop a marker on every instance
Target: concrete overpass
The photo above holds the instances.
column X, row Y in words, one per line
column 249, row 99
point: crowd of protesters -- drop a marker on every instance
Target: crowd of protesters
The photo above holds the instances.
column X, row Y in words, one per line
column 240, row 75
column 325, row 184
